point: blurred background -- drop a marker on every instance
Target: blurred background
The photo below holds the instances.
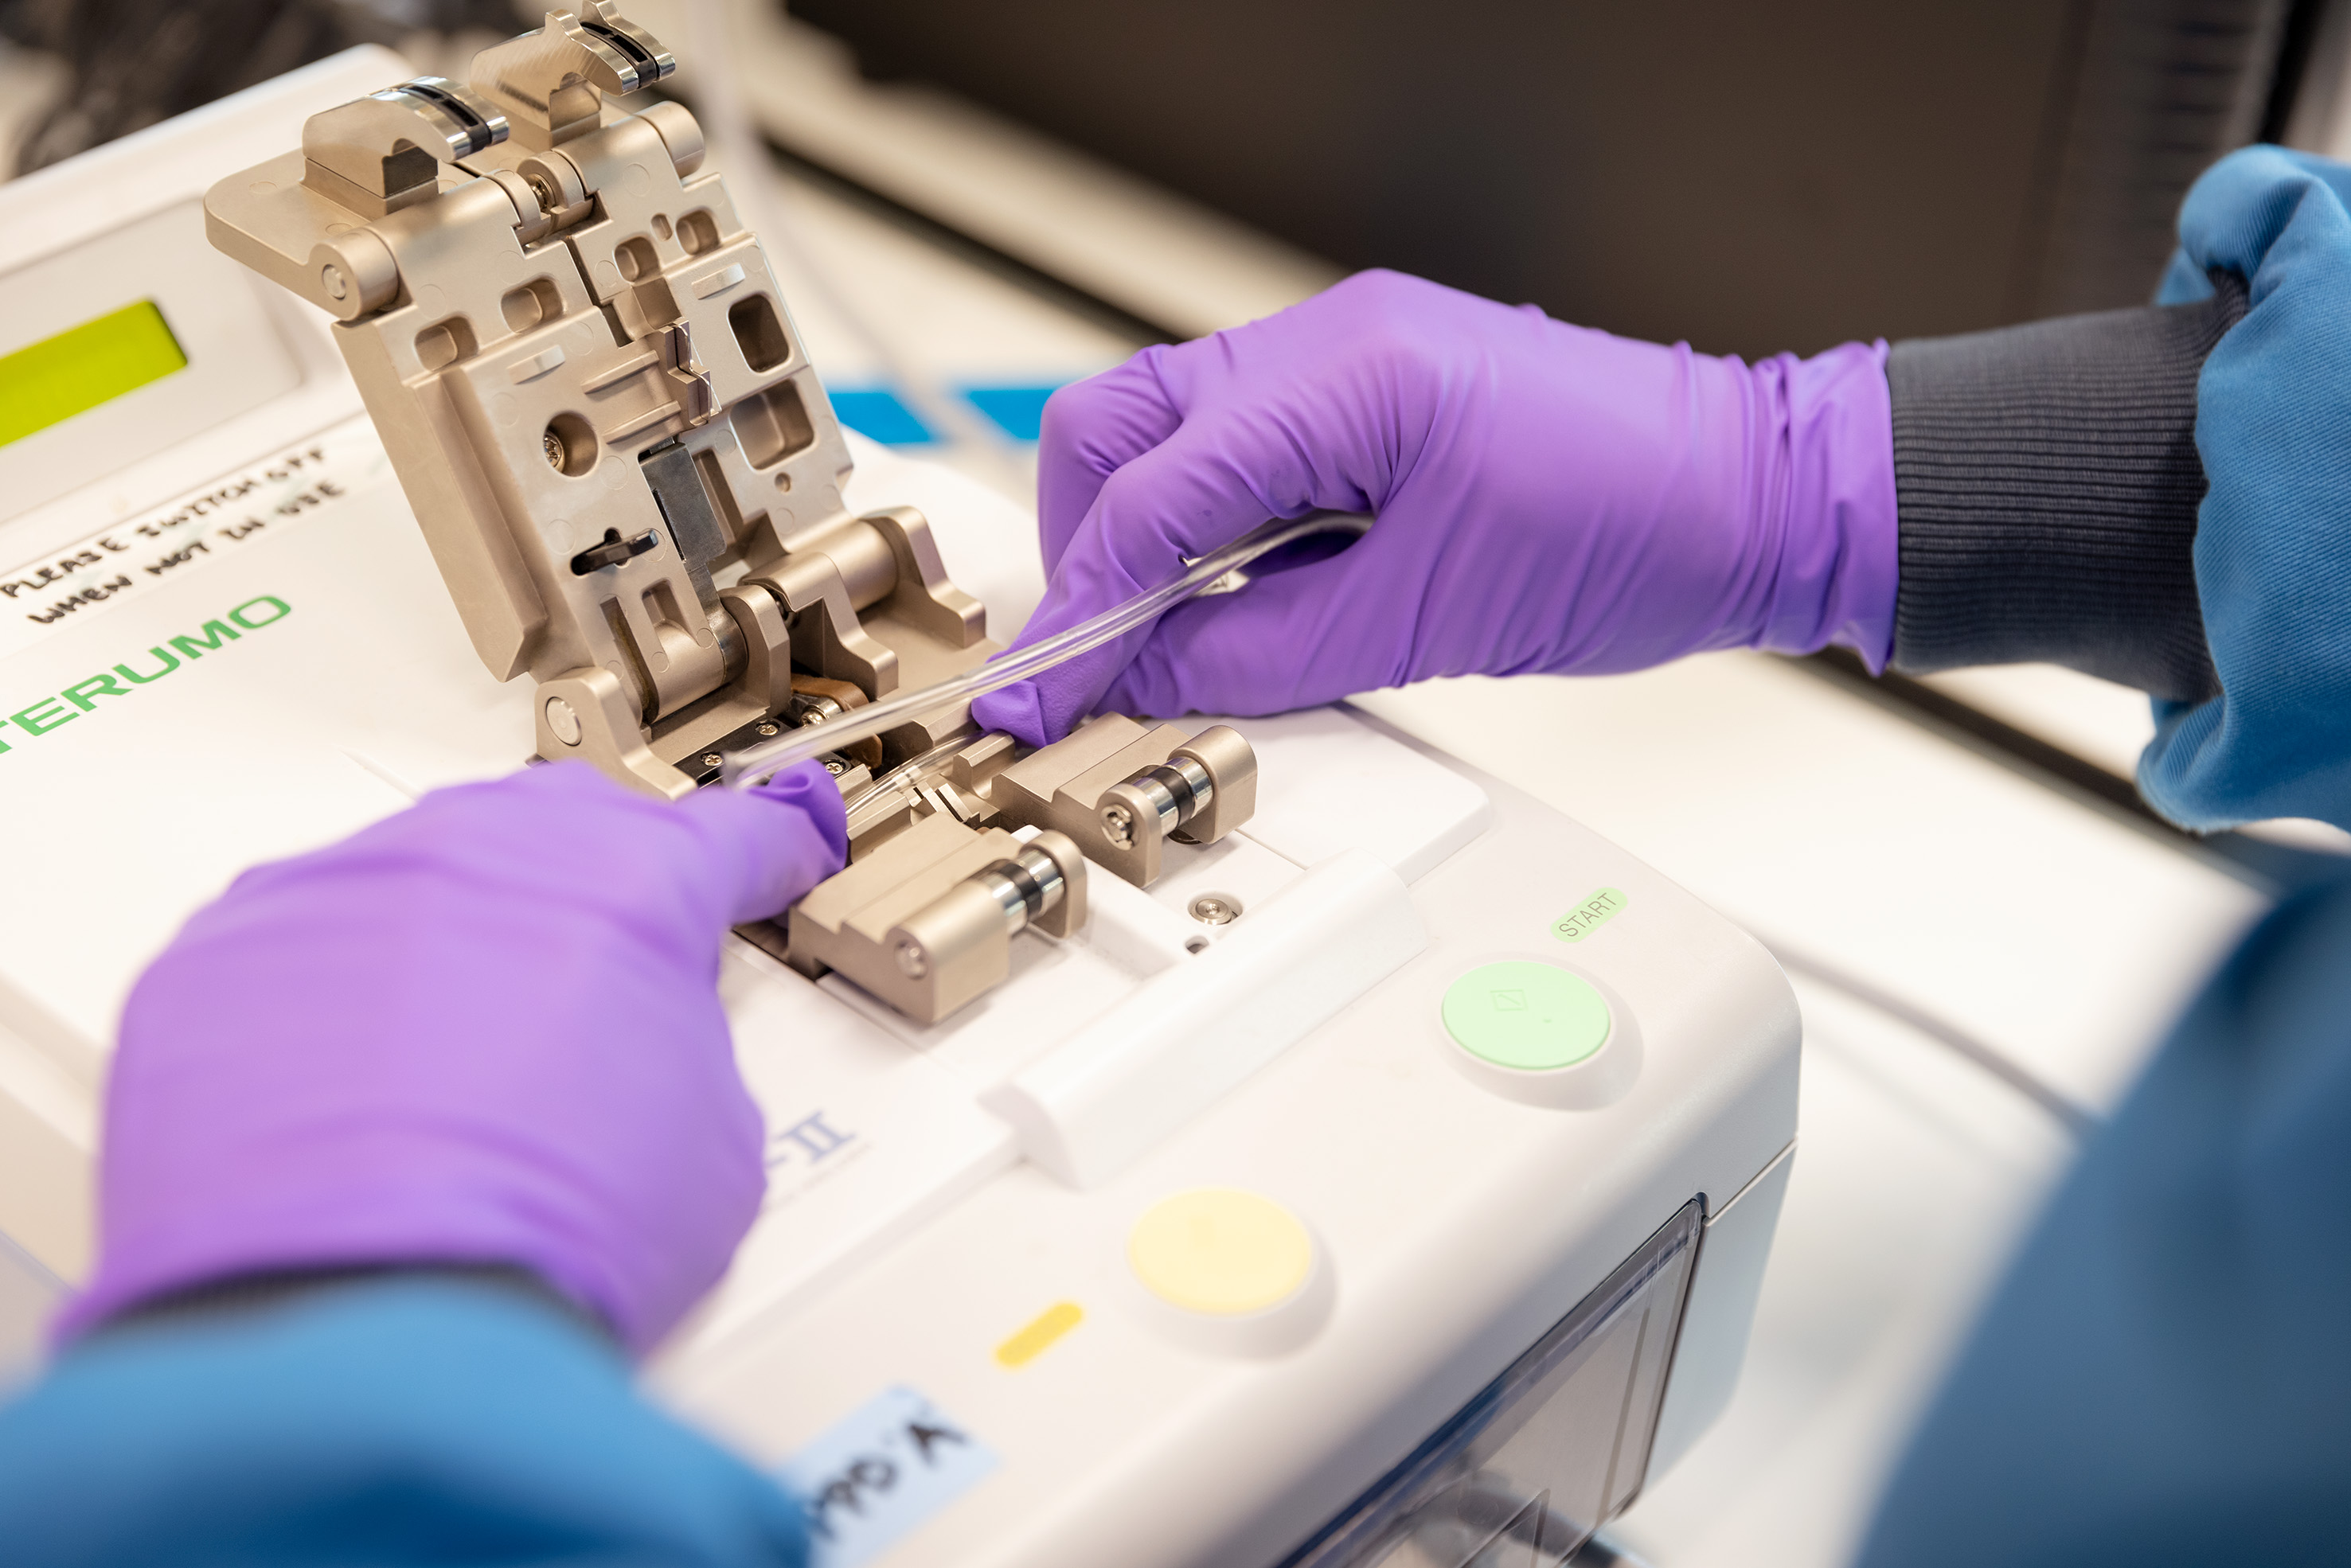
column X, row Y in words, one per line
column 1751, row 178
column 970, row 205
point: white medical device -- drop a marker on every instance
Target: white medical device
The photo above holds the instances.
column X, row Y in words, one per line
column 1388, row 1181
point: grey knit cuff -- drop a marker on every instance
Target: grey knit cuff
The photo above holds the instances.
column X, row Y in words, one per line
column 2047, row 482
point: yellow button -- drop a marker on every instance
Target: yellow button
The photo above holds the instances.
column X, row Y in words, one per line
column 1221, row 1251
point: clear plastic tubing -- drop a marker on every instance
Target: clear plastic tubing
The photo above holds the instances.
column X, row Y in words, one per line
column 756, row 763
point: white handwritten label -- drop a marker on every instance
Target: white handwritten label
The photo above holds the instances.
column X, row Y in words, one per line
column 879, row 1473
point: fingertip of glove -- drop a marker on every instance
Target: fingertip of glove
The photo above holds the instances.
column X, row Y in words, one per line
column 777, row 840
column 1017, row 710
column 816, row 794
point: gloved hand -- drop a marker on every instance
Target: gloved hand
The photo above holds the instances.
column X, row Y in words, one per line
column 1549, row 499
column 484, row 1030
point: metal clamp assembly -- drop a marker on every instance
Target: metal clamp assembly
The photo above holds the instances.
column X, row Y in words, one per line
column 551, row 83
column 1160, row 799
column 1122, row 792
column 585, row 377
column 1027, row 888
column 384, row 151
column 925, row 921
column 630, row 478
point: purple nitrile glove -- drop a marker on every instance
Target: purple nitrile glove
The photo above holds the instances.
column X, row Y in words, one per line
column 484, row 1030
column 1549, row 499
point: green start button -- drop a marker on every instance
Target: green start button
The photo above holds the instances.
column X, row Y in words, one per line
column 1526, row 1016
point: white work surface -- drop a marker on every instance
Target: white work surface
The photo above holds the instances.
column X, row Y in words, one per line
column 2045, row 927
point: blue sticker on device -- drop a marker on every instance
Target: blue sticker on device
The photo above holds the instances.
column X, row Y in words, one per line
column 880, row 414
column 880, row 1473
column 1018, row 412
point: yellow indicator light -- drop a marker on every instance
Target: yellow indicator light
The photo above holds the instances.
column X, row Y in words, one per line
column 1039, row 1335
column 44, row 384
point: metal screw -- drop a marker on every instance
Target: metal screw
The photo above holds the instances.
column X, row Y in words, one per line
column 563, row 721
column 552, row 444
column 913, row 962
column 835, row 767
column 712, row 760
column 767, row 729
column 1213, row 909
column 338, row 286
column 1118, row 825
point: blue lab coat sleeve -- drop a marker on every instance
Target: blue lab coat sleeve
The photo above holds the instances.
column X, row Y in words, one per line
column 408, row 1418
column 2274, row 535
column 2165, row 1376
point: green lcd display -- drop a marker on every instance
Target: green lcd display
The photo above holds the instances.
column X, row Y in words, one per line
column 84, row 366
